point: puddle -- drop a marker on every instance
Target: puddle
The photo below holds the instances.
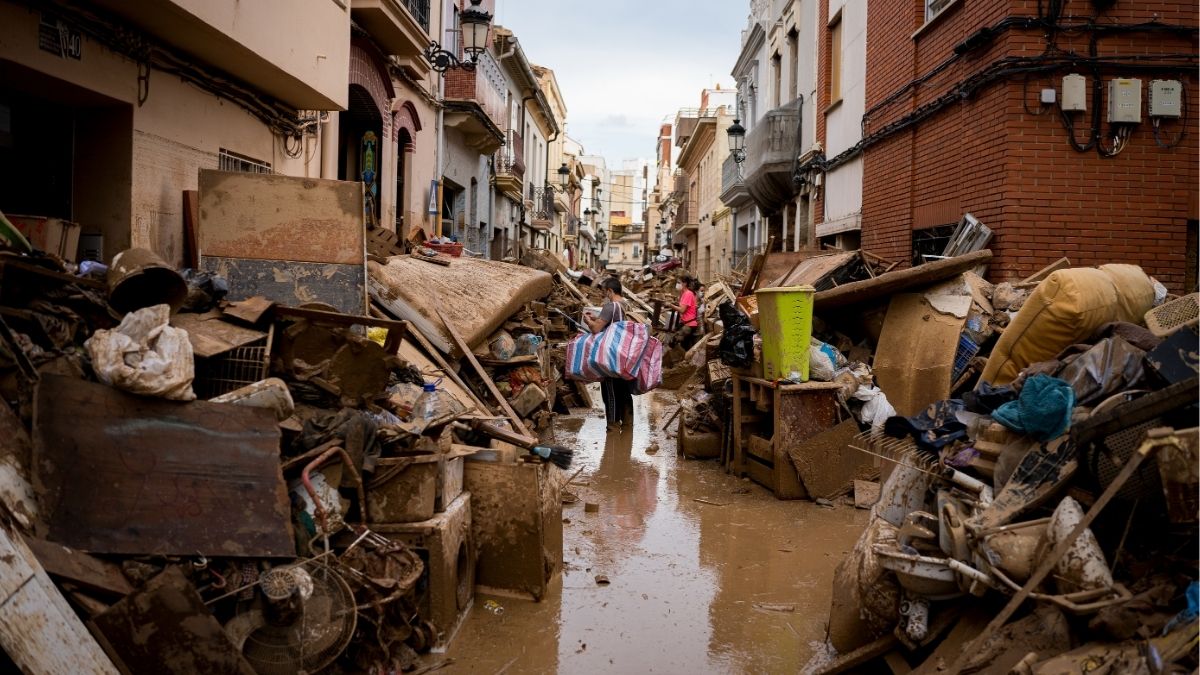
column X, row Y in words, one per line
column 688, row 580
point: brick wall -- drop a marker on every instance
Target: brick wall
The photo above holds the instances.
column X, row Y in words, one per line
column 1001, row 156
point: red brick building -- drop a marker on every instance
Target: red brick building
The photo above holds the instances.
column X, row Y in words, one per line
column 955, row 123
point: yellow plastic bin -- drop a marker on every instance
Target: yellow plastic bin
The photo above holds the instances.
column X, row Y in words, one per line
column 785, row 324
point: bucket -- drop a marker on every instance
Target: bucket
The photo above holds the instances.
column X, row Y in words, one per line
column 785, row 324
column 138, row 278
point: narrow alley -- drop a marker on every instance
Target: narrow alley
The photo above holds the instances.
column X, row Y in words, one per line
column 706, row 573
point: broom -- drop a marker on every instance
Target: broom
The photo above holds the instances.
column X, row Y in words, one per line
column 559, row 455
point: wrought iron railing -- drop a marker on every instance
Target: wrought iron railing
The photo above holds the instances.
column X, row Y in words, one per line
column 543, row 203
column 420, row 11
column 510, row 159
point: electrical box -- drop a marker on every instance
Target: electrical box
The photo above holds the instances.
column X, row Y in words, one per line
column 1166, row 98
column 1049, row 96
column 1074, row 93
column 1124, row 100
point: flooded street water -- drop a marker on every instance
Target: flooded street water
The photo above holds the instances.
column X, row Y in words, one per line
column 699, row 564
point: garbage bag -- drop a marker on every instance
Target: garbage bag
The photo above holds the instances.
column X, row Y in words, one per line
column 145, row 355
column 737, row 341
column 987, row 398
column 1043, row 410
column 205, row 290
column 1110, row 366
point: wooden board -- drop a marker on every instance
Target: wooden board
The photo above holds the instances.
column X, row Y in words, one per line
column 38, row 629
column 890, row 283
column 271, row 217
column 826, row 464
column 341, row 286
column 85, row 570
column 123, row 474
column 186, row 636
column 211, row 335
column 191, row 221
column 250, row 310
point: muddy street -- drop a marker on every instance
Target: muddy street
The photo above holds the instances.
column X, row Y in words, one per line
column 707, row 573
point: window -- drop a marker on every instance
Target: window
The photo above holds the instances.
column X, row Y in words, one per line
column 935, row 7
column 833, row 75
column 232, row 161
column 777, row 76
column 613, row 252
column 793, row 40
column 637, row 250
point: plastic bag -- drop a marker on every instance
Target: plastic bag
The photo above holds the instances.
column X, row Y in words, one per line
column 145, row 355
column 737, row 340
column 876, row 409
column 527, row 345
column 205, row 290
column 824, row 360
column 502, row 346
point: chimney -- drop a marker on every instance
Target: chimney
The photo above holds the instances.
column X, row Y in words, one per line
column 703, row 99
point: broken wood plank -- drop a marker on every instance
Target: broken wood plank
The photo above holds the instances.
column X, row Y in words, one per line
column 861, row 656
column 85, row 570
column 1038, row 276
column 890, row 283
column 250, row 310
column 38, row 629
column 211, row 335
column 125, row 474
column 756, row 269
column 186, row 636
column 487, row 380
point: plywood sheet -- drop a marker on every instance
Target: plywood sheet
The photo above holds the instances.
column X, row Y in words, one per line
column 270, row 217
column 343, row 287
column 915, row 357
column 123, row 474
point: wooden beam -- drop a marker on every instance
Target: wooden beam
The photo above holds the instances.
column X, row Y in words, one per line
column 1038, row 276
column 890, row 283
column 487, row 380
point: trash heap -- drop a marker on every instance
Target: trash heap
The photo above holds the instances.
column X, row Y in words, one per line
column 270, row 487
column 1027, row 451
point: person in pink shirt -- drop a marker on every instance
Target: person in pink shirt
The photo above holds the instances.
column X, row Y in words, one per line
column 689, row 324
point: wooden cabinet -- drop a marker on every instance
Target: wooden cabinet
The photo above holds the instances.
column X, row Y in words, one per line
column 770, row 417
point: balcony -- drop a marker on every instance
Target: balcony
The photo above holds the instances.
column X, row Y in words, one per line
column 475, row 104
column 400, row 27
column 771, row 150
column 306, row 71
column 542, row 213
column 733, row 188
column 687, row 216
column 688, row 119
column 572, row 229
column 509, row 176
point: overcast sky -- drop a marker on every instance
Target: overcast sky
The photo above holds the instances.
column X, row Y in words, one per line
column 625, row 65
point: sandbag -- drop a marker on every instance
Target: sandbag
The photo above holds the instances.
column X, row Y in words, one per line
column 145, row 355
column 1065, row 309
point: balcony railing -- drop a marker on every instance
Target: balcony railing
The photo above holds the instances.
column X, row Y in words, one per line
column 572, row 226
column 543, row 205
column 510, row 159
column 775, row 139
column 731, row 174
column 420, row 11
column 680, row 187
column 688, row 212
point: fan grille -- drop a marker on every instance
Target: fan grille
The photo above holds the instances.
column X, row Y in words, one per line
column 322, row 633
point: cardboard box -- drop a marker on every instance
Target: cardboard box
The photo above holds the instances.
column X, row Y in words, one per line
column 52, row 235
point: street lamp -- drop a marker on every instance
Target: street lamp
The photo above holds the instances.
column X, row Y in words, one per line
column 474, row 25
column 564, row 176
column 737, row 141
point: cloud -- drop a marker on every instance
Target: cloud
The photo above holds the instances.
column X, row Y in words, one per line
column 625, row 65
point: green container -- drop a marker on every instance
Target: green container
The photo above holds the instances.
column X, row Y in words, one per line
column 785, row 324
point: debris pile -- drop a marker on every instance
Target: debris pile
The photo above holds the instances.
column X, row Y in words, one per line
column 275, row 486
column 1035, row 445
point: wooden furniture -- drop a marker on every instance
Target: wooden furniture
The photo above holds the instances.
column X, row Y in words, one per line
column 770, row 417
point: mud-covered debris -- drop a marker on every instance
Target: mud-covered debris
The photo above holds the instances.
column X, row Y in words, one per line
column 591, row 507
